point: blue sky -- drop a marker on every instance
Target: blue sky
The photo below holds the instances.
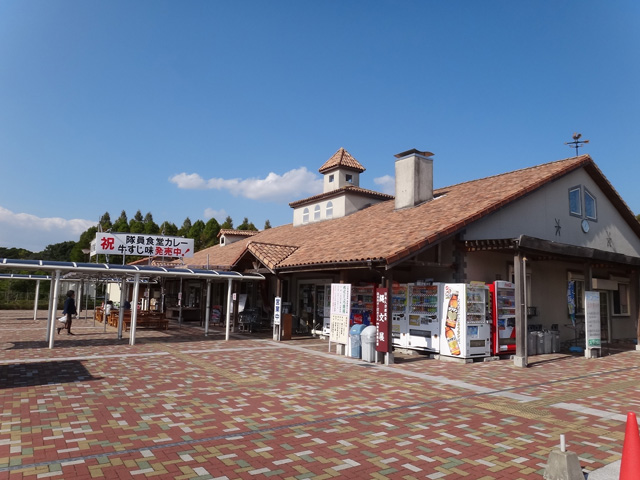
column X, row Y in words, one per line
column 210, row 108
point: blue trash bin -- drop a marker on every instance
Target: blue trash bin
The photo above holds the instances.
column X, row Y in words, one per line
column 355, row 341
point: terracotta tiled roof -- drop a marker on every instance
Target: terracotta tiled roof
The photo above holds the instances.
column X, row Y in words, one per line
column 269, row 254
column 382, row 234
column 339, row 191
column 341, row 158
column 241, row 233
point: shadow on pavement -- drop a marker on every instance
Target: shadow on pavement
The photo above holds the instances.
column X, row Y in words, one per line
column 43, row 373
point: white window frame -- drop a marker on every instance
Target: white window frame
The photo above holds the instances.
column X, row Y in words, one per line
column 588, row 194
column 620, row 294
column 328, row 213
column 316, row 213
column 578, row 204
column 305, row 215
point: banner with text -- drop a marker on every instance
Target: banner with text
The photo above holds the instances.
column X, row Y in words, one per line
column 145, row 245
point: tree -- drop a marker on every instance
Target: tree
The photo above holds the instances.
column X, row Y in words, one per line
column 105, row 222
column 150, row 227
column 196, row 232
column 136, row 224
column 121, row 224
column 267, row 224
column 246, row 225
column 210, row 234
column 60, row 252
column 169, row 229
column 184, row 229
column 86, row 237
column 228, row 224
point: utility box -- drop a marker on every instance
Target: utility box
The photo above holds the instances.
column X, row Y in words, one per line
column 368, row 337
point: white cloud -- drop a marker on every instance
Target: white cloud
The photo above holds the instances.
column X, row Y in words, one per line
column 387, row 184
column 23, row 230
column 219, row 215
column 290, row 186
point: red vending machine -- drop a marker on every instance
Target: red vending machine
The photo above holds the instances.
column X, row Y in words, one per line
column 503, row 312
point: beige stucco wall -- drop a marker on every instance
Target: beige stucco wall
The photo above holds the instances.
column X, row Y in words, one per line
column 536, row 214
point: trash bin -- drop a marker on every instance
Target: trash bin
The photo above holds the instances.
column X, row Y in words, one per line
column 354, row 340
column 532, row 343
column 368, row 337
column 541, row 343
column 548, row 340
column 555, row 341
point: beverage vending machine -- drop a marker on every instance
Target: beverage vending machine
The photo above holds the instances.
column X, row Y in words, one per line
column 363, row 305
column 424, row 317
column 503, row 312
column 399, row 319
column 465, row 328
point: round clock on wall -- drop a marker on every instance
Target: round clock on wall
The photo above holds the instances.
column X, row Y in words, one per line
column 585, row 226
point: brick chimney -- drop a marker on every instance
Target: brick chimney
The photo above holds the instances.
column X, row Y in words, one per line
column 414, row 178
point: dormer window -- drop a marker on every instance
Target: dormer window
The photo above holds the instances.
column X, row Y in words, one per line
column 329, row 210
column 305, row 215
column 316, row 213
column 349, row 178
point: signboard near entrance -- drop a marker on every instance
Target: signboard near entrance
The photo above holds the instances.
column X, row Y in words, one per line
column 382, row 320
column 277, row 311
column 592, row 319
column 340, row 309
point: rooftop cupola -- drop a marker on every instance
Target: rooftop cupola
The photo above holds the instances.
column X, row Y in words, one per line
column 341, row 170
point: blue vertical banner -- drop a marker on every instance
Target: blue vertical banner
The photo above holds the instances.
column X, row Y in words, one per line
column 571, row 301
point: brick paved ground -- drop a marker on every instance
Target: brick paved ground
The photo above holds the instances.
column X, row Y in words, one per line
column 179, row 405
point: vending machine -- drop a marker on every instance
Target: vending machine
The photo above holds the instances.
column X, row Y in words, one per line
column 399, row 317
column 423, row 305
column 363, row 305
column 503, row 313
column 465, row 327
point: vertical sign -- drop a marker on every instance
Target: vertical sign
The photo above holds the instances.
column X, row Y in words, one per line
column 592, row 319
column 382, row 320
column 340, row 310
column 277, row 311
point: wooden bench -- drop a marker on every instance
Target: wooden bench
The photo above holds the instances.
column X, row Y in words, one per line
column 147, row 321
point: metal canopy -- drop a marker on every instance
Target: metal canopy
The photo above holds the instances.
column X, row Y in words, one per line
column 135, row 273
column 105, row 271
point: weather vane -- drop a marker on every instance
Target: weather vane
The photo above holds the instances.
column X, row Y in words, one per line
column 577, row 143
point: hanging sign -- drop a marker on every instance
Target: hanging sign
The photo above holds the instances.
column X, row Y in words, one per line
column 382, row 320
column 592, row 319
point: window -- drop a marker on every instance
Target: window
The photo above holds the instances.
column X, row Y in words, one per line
column 305, row 215
column 621, row 300
column 331, row 178
column 590, row 205
column 574, row 202
column 349, row 178
column 329, row 211
column 316, row 213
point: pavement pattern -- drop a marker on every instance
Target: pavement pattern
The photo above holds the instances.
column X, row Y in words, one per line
column 179, row 405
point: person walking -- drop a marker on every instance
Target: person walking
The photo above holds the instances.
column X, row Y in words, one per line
column 69, row 310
